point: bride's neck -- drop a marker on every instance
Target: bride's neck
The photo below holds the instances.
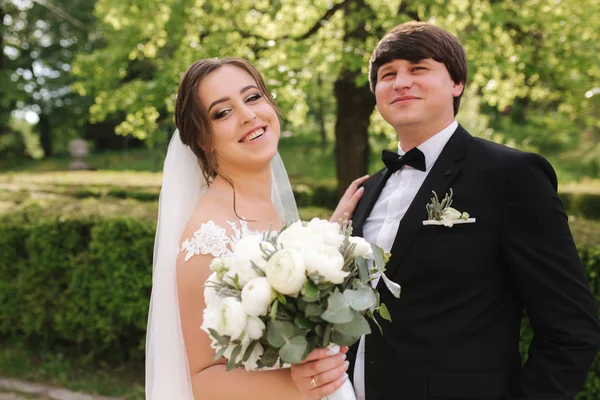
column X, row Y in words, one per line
column 252, row 185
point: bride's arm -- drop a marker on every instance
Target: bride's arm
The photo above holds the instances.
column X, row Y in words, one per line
column 210, row 380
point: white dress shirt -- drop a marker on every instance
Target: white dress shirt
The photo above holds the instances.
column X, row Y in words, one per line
column 382, row 224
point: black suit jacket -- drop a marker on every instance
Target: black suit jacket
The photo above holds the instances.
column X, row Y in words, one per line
column 455, row 329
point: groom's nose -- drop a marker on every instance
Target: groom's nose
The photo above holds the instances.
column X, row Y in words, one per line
column 403, row 80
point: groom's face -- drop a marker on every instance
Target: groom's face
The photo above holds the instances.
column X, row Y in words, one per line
column 412, row 96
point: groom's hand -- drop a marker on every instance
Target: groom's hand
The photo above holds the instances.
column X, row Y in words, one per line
column 321, row 373
column 349, row 200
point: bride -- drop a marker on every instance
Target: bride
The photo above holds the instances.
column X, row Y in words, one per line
column 222, row 178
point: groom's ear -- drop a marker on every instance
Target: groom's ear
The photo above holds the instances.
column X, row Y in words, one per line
column 458, row 89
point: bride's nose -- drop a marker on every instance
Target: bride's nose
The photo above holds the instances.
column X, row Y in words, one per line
column 248, row 115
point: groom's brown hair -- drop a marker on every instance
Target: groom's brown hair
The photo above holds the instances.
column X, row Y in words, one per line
column 414, row 41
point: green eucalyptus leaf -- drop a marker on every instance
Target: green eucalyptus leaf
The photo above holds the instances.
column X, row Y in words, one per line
column 343, row 340
column 384, row 312
column 314, row 310
column 294, row 350
column 357, row 327
column 279, row 332
column 220, row 353
column 249, row 351
column 222, row 340
column 302, row 322
column 269, row 356
column 310, row 291
column 363, row 269
column 274, row 308
column 231, row 363
column 338, row 310
column 361, row 298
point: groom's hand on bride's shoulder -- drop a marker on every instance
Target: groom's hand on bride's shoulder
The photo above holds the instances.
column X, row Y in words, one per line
column 321, row 373
column 349, row 200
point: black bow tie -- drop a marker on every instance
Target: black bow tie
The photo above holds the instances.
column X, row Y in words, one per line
column 393, row 161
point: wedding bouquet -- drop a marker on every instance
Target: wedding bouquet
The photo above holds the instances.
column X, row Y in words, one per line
column 282, row 294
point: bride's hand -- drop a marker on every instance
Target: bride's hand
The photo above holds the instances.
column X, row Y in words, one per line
column 349, row 200
column 320, row 374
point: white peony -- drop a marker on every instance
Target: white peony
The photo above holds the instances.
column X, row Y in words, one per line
column 362, row 247
column 227, row 318
column 449, row 215
column 327, row 262
column 296, row 236
column 257, row 296
column 255, row 327
column 286, row 271
column 326, row 232
column 247, row 251
column 211, row 297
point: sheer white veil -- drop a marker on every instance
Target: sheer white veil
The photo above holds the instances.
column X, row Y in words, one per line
column 183, row 185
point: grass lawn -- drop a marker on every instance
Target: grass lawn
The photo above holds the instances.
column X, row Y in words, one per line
column 124, row 380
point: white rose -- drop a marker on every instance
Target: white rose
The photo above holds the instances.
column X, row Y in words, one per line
column 449, row 215
column 257, row 296
column 286, row 271
column 255, row 327
column 326, row 232
column 296, row 236
column 227, row 318
column 327, row 262
column 247, row 251
column 211, row 297
column 251, row 364
column 362, row 247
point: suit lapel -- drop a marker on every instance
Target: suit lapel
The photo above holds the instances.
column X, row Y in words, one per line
column 445, row 170
column 372, row 191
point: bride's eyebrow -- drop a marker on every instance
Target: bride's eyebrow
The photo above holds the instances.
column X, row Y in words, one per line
column 223, row 99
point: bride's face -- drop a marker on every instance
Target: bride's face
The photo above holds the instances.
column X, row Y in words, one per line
column 245, row 127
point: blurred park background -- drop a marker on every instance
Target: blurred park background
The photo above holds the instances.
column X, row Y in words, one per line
column 76, row 246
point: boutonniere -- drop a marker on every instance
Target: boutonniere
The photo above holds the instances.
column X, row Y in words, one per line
column 440, row 212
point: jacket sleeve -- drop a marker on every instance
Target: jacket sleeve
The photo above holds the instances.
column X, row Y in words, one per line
column 547, row 274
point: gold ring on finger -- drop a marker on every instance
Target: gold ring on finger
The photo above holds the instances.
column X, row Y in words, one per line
column 313, row 383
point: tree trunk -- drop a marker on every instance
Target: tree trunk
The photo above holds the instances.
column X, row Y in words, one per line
column 321, row 113
column 354, row 104
column 45, row 134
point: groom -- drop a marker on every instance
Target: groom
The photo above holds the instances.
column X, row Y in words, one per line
column 455, row 329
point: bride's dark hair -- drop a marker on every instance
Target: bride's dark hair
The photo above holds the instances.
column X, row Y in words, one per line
column 192, row 118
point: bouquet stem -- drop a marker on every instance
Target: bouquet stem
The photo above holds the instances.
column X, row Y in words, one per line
column 345, row 392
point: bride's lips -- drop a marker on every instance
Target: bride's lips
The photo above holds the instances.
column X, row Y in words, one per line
column 253, row 134
column 402, row 99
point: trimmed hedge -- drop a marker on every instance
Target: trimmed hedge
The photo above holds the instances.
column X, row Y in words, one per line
column 82, row 286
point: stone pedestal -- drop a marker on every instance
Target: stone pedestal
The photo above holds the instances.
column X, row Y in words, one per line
column 78, row 148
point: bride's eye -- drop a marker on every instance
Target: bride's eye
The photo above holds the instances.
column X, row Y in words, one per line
column 253, row 97
column 221, row 113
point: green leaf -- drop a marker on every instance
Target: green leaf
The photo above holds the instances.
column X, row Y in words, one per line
column 222, row 340
column 314, row 310
column 338, row 310
column 269, row 357
column 327, row 335
column 363, row 269
column 231, row 363
column 257, row 269
column 220, row 353
column 384, row 312
column 293, row 351
column 301, row 322
column 301, row 303
column 361, row 298
column 310, row 291
column 274, row 307
column 357, row 327
column 249, row 351
column 279, row 332
column 343, row 340
column 281, row 298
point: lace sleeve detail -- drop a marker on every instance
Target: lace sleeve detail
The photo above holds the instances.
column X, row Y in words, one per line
column 209, row 239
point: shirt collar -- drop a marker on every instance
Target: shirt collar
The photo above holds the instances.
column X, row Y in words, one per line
column 432, row 147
